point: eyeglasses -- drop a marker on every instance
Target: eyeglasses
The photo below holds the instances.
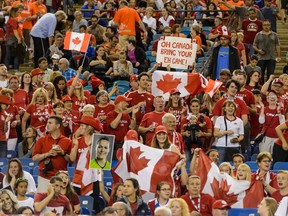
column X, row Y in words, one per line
column 266, row 161
column 166, row 189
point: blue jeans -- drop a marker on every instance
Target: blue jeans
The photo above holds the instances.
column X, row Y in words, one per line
column 269, row 65
column 3, row 149
column 9, row 55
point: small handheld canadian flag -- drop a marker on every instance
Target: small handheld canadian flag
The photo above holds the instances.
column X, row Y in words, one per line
column 76, row 41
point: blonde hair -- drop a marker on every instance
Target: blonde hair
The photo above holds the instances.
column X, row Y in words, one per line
column 37, row 93
column 271, row 204
column 263, row 155
column 227, row 164
column 247, row 169
column 54, row 95
column 183, row 205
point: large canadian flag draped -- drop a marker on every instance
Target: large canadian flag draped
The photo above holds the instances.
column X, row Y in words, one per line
column 148, row 165
column 186, row 83
column 238, row 194
column 76, row 41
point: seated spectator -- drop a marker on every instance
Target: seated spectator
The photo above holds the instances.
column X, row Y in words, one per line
column 176, row 31
column 150, row 20
column 77, row 60
column 96, row 29
column 188, row 15
column 116, row 194
column 102, row 106
column 20, row 189
column 136, row 55
column 162, row 197
column 237, row 160
column 280, row 147
column 53, row 199
column 16, row 171
column 282, row 181
column 9, row 197
column 133, row 197
column 225, row 167
column 55, row 61
column 25, row 148
column 78, row 21
column 89, row 4
column 37, row 76
column 211, row 14
column 165, row 20
column 122, row 68
column 60, row 86
column 179, row 207
column 163, row 211
column 68, row 191
column 243, row 173
column 64, row 68
column 267, row 207
column 51, row 92
column 24, row 210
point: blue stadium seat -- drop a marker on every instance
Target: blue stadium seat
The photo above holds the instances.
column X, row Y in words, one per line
column 150, row 47
column 207, row 30
column 108, row 181
column 280, row 166
column 254, row 157
column 35, row 170
column 71, row 171
column 114, row 162
column 87, row 202
column 35, row 177
column 11, row 154
column 124, row 83
column 30, row 195
column 88, row 87
column 108, row 190
column 252, row 164
column 156, row 36
column 151, row 58
column 28, row 162
column 4, row 169
column 3, row 162
column 183, row 29
column 135, row 70
column 242, row 212
column 85, row 211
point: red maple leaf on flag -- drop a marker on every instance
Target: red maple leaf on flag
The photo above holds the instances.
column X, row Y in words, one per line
column 76, row 41
column 223, row 191
column 167, row 83
column 136, row 164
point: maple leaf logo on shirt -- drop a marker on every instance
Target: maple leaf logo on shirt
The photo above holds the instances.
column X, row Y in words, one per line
column 136, row 164
column 167, row 83
column 76, row 41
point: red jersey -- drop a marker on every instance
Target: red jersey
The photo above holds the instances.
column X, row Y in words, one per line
column 270, row 178
column 138, row 97
column 78, row 104
column 151, row 118
column 176, row 111
column 251, row 28
column 271, row 122
column 241, row 107
column 21, row 98
column 277, row 196
column 122, row 128
column 44, row 145
column 254, row 121
column 38, row 116
column 177, row 139
column 251, row 88
column 247, row 96
column 285, row 133
column 204, row 206
column 101, row 112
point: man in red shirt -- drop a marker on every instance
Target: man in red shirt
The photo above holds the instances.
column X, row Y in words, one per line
column 20, row 95
column 53, row 200
column 118, row 121
column 52, row 152
column 152, row 119
column 133, row 83
column 197, row 201
column 142, row 98
column 282, row 180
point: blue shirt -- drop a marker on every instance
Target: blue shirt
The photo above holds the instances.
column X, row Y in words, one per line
column 69, row 74
column 88, row 14
column 222, row 60
column 45, row 26
column 198, row 14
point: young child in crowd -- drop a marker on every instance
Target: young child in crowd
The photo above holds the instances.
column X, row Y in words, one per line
column 21, row 186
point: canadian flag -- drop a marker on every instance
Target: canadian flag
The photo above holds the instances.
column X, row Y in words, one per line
column 148, row 165
column 238, row 194
column 76, row 41
column 186, row 83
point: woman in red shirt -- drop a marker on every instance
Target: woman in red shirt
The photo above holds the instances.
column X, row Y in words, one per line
column 280, row 149
column 102, row 106
column 12, row 39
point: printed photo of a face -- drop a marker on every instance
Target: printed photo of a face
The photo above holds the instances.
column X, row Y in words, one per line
column 102, row 151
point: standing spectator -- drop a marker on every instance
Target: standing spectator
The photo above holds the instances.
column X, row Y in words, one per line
column 240, row 46
column 179, row 207
column 215, row 32
column 280, row 149
column 42, row 33
column 25, row 148
column 223, row 56
column 126, row 18
column 78, row 21
column 52, row 200
column 38, row 9
column 96, row 29
column 267, row 45
column 52, row 152
column 4, row 124
column 162, row 197
column 271, row 13
column 267, row 207
column 13, row 39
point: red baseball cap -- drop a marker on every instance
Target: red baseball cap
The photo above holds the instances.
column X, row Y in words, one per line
column 278, row 80
column 121, row 98
column 94, row 122
column 36, row 71
column 133, row 77
column 174, row 91
column 69, row 83
column 160, row 128
column 5, row 99
column 219, row 204
column 132, row 135
column 95, row 81
column 66, row 98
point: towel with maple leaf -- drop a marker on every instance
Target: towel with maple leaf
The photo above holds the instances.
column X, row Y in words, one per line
column 148, row 165
column 237, row 193
column 77, row 41
column 186, row 83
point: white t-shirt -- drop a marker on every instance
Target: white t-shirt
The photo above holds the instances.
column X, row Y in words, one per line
column 151, row 22
column 235, row 125
column 31, row 183
column 28, row 202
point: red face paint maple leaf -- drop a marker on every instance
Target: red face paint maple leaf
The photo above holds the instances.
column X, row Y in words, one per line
column 76, row 41
column 136, row 164
column 168, row 83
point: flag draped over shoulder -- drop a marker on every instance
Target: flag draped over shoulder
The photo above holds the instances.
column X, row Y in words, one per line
column 146, row 164
column 186, row 83
column 237, row 193
column 76, row 41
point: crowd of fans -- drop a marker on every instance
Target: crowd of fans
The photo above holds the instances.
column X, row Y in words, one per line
column 51, row 113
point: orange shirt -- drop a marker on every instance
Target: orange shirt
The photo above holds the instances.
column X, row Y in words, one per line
column 35, row 8
column 25, row 13
column 231, row 2
column 127, row 18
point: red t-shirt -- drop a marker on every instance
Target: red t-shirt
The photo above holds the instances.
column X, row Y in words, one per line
column 205, row 205
column 11, row 25
column 12, row 109
column 72, row 117
column 122, row 128
column 247, row 96
column 151, row 118
column 78, row 104
column 59, row 205
column 271, row 122
column 139, row 97
column 251, row 28
column 3, row 116
column 21, row 98
column 254, row 121
column 44, row 145
column 285, row 133
column 38, row 116
column 102, row 111
column 273, row 179
column 240, row 105
column 251, row 88
column 277, row 196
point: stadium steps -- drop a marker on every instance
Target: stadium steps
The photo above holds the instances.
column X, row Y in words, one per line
column 282, row 34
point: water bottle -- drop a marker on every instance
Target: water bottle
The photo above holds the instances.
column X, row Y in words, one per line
column 143, row 109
